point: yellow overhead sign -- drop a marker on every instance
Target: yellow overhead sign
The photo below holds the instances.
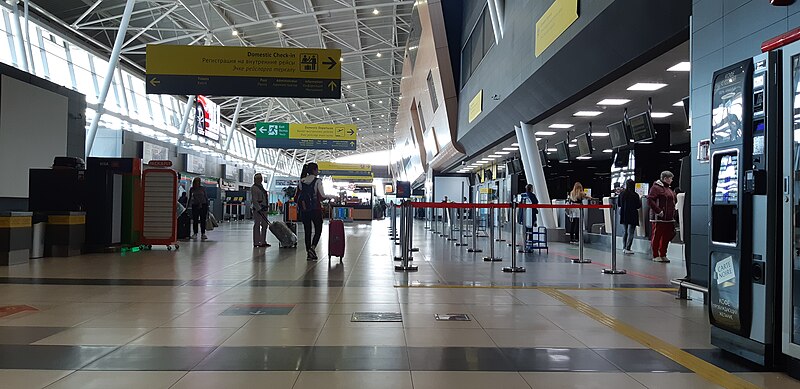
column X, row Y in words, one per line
column 476, row 106
column 352, row 167
column 237, row 61
column 323, row 131
column 368, row 179
column 244, row 71
column 554, row 22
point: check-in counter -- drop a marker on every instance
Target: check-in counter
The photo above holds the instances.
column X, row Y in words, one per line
column 65, row 234
column 16, row 232
column 362, row 213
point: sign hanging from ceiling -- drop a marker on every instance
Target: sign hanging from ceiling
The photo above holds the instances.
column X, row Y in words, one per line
column 306, row 136
column 244, row 71
column 353, row 179
column 344, row 169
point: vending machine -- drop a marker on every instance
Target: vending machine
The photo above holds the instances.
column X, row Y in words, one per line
column 744, row 210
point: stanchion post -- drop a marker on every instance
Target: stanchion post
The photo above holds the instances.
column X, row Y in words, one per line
column 514, row 268
column 474, row 248
column 442, row 232
column 491, row 257
column 410, row 228
column 407, row 226
column 450, row 212
column 580, row 258
column 461, row 224
column 614, row 269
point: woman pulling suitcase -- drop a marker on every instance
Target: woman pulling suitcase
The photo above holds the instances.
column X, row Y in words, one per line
column 259, row 203
column 309, row 198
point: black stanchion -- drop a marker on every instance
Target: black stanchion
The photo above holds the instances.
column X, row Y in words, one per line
column 514, row 268
column 491, row 257
column 580, row 258
column 614, row 269
column 474, row 248
column 461, row 227
column 406, row 247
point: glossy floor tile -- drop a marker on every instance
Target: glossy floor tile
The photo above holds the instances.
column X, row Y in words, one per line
column 203, row 317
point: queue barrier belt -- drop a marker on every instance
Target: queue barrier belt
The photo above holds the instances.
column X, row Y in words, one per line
column 506, row 206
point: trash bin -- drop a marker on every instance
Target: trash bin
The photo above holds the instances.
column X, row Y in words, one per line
column 65, row 234
column 39, row 228
column 15, row 237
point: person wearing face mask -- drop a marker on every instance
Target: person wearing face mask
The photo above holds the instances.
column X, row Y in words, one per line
column 661, row 200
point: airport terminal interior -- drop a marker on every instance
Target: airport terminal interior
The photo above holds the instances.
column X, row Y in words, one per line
column 400, row 194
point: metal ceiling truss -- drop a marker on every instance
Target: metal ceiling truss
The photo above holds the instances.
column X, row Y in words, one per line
column 371, row 34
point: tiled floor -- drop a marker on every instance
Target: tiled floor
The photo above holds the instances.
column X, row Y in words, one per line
column 167, row 319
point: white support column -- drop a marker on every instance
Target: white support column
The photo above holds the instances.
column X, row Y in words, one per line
column 523, row 152
column 495, row 21
column 186, row 112
column 234, row 122
column 500, row 6
column 28, row 45
column 22, row 52
column 112, row 65
column 539, row 181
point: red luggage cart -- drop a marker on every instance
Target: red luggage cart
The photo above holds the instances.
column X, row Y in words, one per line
column 158, row 219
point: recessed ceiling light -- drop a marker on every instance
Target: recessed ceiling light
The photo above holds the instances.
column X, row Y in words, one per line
column 573, row 145
column 678, row 104
column 501, row 166
column 380, row 102
column 552, row 149
column 375, row 11
column 613, row 102
column 349, row 86
column 573, row 141
column 278, row 25
column 549, row 153
column 341, row 59
column 380, row 82
column 545, row 133
column 515, row 144
column 558, row 125
column 647, row 86
column 583, row 158
column 646, row 142
column 587, row 113
column 659, row 115
column 379, row 55
column 492, row 157
column 600, row 134
column 234, row 32
column 502, row 152
column 608, row 151
column 510, row 148
column 681, row 67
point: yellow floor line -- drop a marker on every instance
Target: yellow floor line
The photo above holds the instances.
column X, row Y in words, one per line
column 702, row 368
column 536, row 287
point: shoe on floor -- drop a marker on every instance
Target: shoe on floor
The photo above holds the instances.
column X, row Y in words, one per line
column 661, row 259
column 626, row 251
column 203, row 237
column 311, row 255
column 194, row 236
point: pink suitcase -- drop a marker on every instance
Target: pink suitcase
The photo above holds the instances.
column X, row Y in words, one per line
column 336, row 239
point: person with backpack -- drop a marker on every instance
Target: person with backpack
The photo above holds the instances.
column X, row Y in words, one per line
column 309, row 198
column 259, row 205
column 199, row 202
column 629, row 204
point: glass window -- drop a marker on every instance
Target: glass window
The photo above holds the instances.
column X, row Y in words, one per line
column 432, row 92
column 488, row 32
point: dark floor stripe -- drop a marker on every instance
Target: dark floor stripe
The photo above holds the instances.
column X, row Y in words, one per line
column 336, row 358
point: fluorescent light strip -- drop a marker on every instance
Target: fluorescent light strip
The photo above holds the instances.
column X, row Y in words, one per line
column 515, row 144
column 587, row 113
column 511, row 148
column 600, row 134
column 545, row 133
column 659, row 115
column 678, row 104
column 557, row 125
column 583, row 158
column 613, row 102
column 646, row 86
column 552, row 149
column 502, row 152
column 608, row 151
column 680, row 67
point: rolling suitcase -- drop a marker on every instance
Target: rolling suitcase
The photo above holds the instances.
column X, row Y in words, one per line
column 285, row 235
column 336, row 239
column 184, row 225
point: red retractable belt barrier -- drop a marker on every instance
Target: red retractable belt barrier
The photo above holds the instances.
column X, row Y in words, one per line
column 565, row 206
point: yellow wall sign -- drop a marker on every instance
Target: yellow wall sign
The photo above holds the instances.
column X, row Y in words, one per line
column 350, row 167
column 476, row 106
column 243, row 71
column 554, row 22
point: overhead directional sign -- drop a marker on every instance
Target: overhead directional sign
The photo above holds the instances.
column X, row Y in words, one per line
column 244, row 71
column 344, row 169
column 306, row 136
column 354, row 179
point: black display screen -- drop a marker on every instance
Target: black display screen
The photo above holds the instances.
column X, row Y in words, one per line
column 619, row 134
column 727, row 104
column 622, row 158
column 584, row 145
column 641, row 127
column 562, row 151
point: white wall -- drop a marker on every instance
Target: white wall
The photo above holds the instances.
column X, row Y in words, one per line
column 33, row 130
column 450, row 187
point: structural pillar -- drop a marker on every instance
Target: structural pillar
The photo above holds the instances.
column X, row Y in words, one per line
column 538, row 180
column 234, row 122
column 112, row 65
column 523, row 152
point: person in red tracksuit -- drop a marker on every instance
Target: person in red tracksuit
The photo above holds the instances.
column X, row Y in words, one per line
column 661, row 200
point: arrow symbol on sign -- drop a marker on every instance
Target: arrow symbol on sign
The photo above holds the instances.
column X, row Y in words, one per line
column 352, row 143
column 332, row 85
column 330, row 62
column 154, row 81
column 351, row 132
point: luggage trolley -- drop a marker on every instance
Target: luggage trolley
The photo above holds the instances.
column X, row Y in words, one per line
column 158, row 202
